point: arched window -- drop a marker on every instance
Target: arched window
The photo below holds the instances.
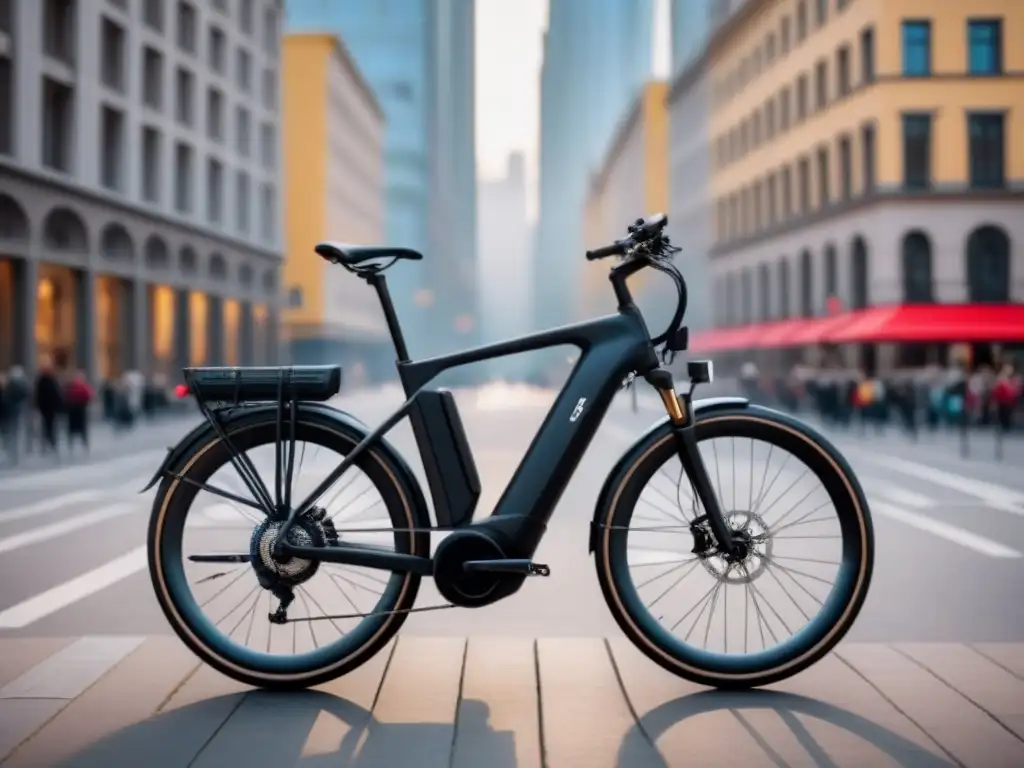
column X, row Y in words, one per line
column 859, row 273
column 64, row 230
column 13, row 220
column 156, row 253
column 806, row 285
column 916, row 252
column 746, row 296
column 116, row 244
column 784, row 286
column 988, row 265
column 831, row 272
column 764, row 284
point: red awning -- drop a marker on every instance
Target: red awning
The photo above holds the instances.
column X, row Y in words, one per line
column 818, row 330
column 781, row 334
column 725, row 339
column 955, row 323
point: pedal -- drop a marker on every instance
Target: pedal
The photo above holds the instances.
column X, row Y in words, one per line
column 523, row 567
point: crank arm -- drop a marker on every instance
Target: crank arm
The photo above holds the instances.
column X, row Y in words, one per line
column 222, row 558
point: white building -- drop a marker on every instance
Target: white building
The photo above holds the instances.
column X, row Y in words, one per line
column 505, row 273
column 140, row 185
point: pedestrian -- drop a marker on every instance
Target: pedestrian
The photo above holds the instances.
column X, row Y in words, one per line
column 77, row 397
column 49, row 402
column 1006, row 395
column 12, row 405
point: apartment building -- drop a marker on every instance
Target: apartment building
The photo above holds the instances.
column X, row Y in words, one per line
column 334, row 161
column 865, row 153
column 140, row 184
column 631, row 182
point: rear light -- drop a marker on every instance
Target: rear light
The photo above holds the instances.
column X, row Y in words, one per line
column 181, row 391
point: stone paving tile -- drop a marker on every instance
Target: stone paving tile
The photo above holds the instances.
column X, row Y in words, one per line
column 508, row 703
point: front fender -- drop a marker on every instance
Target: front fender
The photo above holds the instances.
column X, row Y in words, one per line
column 656, row 431
column 204, row 432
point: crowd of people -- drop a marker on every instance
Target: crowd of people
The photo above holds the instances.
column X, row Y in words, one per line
column 53, row 413
column 931, row 397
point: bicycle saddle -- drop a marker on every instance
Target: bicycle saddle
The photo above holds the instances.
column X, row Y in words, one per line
column 353, row 255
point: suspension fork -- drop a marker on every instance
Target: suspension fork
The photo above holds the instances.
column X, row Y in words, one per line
column 680, row 412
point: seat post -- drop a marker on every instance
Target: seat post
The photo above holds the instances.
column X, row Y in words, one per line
column 376, row 279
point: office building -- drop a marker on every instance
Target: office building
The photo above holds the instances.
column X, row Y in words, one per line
column 417, row 56
column 140, row 185
column 632, row 179
column 334, row 161
column 587, row 83
column 505, row 274
column 865, row 154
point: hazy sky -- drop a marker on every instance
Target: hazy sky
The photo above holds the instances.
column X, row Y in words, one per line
column 509, row 52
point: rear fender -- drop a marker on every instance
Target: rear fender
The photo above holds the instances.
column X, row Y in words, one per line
column 662, row 427
column 232, row 418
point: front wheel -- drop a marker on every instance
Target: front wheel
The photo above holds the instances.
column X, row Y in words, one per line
column 729, row 622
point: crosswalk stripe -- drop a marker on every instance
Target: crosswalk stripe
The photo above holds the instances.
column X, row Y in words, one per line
column 52, row 600
column 65, row 526
column 51, row 504
column 944, row 530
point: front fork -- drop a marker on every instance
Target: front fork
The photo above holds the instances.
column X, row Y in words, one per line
column 680, row 412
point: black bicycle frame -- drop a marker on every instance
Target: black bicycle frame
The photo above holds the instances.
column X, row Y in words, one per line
column 610, row 349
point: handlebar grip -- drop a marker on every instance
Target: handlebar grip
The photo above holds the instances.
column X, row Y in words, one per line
column 618, row 248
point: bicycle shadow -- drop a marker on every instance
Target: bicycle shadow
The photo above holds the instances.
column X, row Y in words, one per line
column 787, row 706
column 274, row 729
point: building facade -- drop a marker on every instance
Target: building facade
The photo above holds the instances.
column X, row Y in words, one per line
column 334, row 161
column 140, row 186
column 691, row 21
column 505, row 279
column 586, row 87
column 417, row 56
column 866, row 153
column 631, row 182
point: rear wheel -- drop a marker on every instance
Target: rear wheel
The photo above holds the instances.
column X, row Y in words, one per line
column 737, row 622
column 221, row 610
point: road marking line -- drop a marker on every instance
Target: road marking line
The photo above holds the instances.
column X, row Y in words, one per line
column 903, row 496
column 996, row 496
column 64, row 475
column 62, row 527
column 944, row 530
column 70, row 671
column 49, row 505
column 52, row 600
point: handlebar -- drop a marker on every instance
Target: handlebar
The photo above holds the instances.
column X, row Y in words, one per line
column 641, row 231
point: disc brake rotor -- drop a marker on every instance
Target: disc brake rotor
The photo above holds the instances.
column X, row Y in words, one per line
column 751, row 530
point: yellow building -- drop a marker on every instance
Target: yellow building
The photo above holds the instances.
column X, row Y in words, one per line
column 334, row 163
column 866, row 150
column 631, row 182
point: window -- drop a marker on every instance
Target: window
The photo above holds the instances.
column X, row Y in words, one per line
column 801, row 21
column 217, row 52
column 867, row 56
column 153, row 14
column 186, row 27
column 242, row 202
column 746, row 297
column 734, row 216
column 6, row 107
column 821, row 12
column 784, row 282
column 270, row 32
column 214, row 115
column 769, row 48
column 152, row 78
column 821, row 85
column 824, row 177
column 843, row 86
column 243, row 70
column 831, row 271
column 246, row 17
column 801, row 98
column 150, row 164
column 917, row 48
column 243, row 131
column 987, row 152
column 745, row 217
column 784, row 109
column 859, row 274
column 267, row 149
column 185, row 104
column 988, row 265
column 111, row 147
column 784, row 35
column 773, row 199
column 268, row 213
column 59, row 30
column 917, row 150
column 764, row 284
column 214, row 190
column 112, row 55
column 985, row 47
column 756, row 140
column 269, row 89
column 758, row 206
column 58, row 124
column 787, row 192
column 845, row 167
column 183, row 178
column 769, row 119
column 867, row 148
column 806, row 285
column 917, row 268
column 804, row 180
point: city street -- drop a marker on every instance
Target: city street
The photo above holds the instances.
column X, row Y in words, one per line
column 949, row 564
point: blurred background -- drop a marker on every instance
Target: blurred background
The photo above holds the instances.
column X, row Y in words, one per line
column 842, row 176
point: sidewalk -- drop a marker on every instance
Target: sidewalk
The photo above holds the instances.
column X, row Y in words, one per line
column 502, row 702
